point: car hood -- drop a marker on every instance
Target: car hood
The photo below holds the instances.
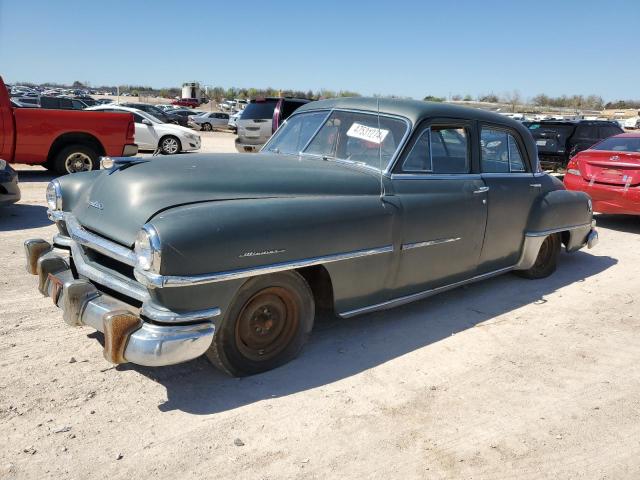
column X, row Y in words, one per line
column 117, row 203
column 175, row 129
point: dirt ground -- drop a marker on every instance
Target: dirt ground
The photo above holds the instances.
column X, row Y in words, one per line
column 508, row 378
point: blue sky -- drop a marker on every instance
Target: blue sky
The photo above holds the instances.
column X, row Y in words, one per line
column 408, row 48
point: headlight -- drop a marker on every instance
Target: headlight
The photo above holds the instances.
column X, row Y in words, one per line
column 54, row 195
column 3, row 164
column 192, row 137
column 147, row 249
column 106, row 163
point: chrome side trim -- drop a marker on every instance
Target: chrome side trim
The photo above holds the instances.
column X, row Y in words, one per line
column 153, row 280
column 428, row 243
column 420, row 295
column 544, row 233
column 98, row 243
column 110, row 279
column 436, row 176
column 160, row 314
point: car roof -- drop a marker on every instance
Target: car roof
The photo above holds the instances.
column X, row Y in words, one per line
column 627, row 135
column 413, row 110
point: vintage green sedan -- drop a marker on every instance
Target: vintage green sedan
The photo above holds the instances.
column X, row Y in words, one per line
column 354, row 204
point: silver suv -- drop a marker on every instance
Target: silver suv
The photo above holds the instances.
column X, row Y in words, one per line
column 261, row 118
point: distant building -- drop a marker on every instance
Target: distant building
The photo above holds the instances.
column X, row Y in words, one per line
column 191, row 90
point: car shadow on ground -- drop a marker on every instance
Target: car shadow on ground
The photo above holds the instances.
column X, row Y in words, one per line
column 22, row 216
column 620, row 223
column 31, row 175
column 341, row 348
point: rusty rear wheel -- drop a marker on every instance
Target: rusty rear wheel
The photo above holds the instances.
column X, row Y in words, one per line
column 547, row 259
column 266, row 325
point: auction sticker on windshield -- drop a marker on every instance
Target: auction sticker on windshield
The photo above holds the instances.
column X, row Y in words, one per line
column 370, row 134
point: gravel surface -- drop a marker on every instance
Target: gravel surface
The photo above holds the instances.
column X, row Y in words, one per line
column 508, row 378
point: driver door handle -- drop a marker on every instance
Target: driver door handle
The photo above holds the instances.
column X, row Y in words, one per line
column 481, row 190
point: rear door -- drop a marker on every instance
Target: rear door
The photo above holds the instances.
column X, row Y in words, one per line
column 511, row 191
column 444, row 207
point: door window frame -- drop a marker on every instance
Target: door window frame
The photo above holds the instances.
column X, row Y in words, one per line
column 466, row 124
column 526, row 161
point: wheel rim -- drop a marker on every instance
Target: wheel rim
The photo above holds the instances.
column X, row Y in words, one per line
column 78, row 162
column 207, row 127
column 267, row 324
column 170, row 145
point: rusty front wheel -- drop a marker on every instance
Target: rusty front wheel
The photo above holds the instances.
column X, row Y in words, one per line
column 266, row 325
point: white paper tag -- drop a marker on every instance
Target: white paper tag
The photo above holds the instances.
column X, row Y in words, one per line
column 370, row 134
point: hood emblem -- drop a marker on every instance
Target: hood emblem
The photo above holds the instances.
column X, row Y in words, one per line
column 97, row 205
column 263, row 252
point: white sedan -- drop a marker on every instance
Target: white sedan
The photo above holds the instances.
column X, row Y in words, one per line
column 152, row 134
column 207, row 121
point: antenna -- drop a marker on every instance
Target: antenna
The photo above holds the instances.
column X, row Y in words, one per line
column 380, row 148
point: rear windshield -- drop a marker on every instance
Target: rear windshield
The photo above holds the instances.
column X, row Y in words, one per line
column 259, row 110
column 619, row 144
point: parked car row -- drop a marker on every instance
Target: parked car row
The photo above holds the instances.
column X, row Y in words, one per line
column 152, row 134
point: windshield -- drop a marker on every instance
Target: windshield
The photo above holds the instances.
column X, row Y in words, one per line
column 619, row 144
column 148, row 116
column 340, row 135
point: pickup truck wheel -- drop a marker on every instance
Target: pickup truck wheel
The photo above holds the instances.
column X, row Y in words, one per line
column 547, row 259
column 170, row 145
column 207, row 127
column 266, row 326
column 75, row 158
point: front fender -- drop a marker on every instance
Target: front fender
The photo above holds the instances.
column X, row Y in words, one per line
column 239, row 234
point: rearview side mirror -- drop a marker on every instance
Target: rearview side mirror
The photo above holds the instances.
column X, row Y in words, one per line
column 146, row 122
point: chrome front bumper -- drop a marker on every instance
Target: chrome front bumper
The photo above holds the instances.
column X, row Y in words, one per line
column 134, row 339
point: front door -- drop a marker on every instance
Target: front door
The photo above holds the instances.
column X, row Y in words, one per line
column 512, row 190
column 443, row 206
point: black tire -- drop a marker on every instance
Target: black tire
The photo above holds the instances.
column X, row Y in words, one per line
column 547, row 259
column 75, row 158
column 207, row 127
column 170, row 145
column 266, row 326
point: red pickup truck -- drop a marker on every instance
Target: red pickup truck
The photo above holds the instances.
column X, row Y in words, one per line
column 65, row 141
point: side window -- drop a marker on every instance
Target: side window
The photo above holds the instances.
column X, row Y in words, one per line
column 439, row 149
column 500, row 152
column 587, row 132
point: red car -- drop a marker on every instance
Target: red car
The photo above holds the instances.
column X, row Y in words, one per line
column 186, row 102
column 609, row 172
column 65, row 141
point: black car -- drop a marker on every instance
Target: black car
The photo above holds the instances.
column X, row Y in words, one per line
column 62, row 103
column 559, row 140
column 9, row 190
column 165, row 117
